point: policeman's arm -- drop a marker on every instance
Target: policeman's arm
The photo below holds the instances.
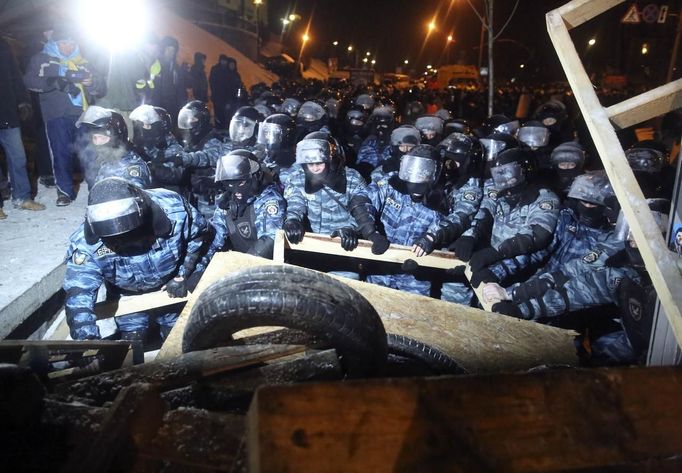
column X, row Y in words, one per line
column 270, row 215
column 297, row 206
column 363, row 209
column 81, row 283
column 197, row 233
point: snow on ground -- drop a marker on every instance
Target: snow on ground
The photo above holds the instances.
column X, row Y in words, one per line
column 32, row 244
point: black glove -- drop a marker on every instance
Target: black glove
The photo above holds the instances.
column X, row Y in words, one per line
column 483, row 258
column 532, row 289
column 507, row 308
column 409, row 266
column 484, row 275
column 349, row 238
column 426, row 242
column 175, row 160
column 463, row 247
column 294, row 230
column 379, row 243
column 177, row 287
column 457, row 271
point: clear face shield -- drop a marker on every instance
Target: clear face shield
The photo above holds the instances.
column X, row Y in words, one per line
column 241, row 129
column 533, row 136
column 92, row 115
column 187, row 119
column 235, row 167
column 509, row 127
column 492, row 148
column 507, row 175
column 313, row 151
column 592, row 187
column 418, row 170
column 400, row 135
column 429, row 127
column 310, row 112
column 115, row 217
column 270, row 135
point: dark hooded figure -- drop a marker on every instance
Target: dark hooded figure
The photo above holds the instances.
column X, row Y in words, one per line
column 225, row 84
column 170, row 87
column 198, row 77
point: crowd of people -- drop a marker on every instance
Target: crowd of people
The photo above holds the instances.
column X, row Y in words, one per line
column 523, row 202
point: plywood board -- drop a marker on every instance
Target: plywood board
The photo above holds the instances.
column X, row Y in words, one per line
column 480, row 341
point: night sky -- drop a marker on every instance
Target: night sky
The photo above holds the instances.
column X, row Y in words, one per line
column 394, row 30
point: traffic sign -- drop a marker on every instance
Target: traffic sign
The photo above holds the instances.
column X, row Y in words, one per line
column 663, row 14
column 631, row 16
column 649, row 13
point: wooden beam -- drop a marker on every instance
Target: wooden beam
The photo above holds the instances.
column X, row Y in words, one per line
column 659, row 261
column 650, row 104
column 577, row 12
column 480, row 341
column 316, row 243
column 137, row 303
column 551, row 421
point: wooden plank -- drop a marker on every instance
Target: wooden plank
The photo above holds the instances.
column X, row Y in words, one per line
column 137, row 303
column 176, row 372
column 280, row 244
column 551, row 421
column 480, row 341
column 478, row 291
column 316, row 243
column 577, row 12
column 650, row 104
column 659, row 261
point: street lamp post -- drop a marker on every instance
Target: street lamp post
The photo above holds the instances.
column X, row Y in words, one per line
column 257, row 4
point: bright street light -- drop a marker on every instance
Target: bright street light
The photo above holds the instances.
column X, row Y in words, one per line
column 374, row 61
column 432, row 26
column 450, row 39
column 294, row 16
column 350, row 48
column 406, row 61
column 645, row 48
column 367, row 53
column 522, row 66
column 257, row 2
column 305, row 37
column 591, row 42
column 364, row 59
column 429, row 66
column 335, row 43
column 285, row 21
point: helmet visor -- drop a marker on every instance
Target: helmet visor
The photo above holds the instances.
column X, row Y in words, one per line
column 492, row 148
column 241, row 129
column 645, row 159
column 417, row 169
column 593, row 188
column 433, row 124
column 400, row 136
column 507, row 175
column 92, row 115
column 145, row 114
column 270, row 134
column 114, row 217
column 310, row 112
column 313, row 151
column 187, row 119
column 533, row 136
column 235, row 167
column 509, row 127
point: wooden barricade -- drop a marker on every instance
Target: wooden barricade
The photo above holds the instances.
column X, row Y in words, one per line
column 601, row 123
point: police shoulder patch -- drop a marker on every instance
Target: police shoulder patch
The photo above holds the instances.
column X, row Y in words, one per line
column 470, row 196
column 591, row 257
column 272, row 207
column 547, row 205
column 492, row 195
column 78, row 257
column 134, row 171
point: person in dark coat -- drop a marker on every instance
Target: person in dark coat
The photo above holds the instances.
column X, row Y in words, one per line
column 198, row 78
column 170, row 86
column 225, row 83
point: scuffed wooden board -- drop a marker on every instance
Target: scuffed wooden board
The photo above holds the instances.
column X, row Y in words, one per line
column 481, row 341
column 606, row 420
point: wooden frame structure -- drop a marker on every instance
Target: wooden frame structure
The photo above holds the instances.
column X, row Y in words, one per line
column 602, row 123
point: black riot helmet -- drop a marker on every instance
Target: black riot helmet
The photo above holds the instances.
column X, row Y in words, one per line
column 244, row 126
column 194, row 123
column 115, row 207
column 316, row 148
column 356, row 118
column 419, row 169
column 456, row 125
column 511, row 168
column 551, row 114
column 311, row 117
column 404, row 138
column 431, row 128
column 240, row 173
column 108, row 125
column 382, row 121
column 647, row 157
column 290, row 106
column 365, row 101
column 568, row 161
column 592, row 193
column 461, row 155
column 492, row 145
column 277, row 133
column 413, row 110
column 150, row 126
column 533, row 134
column 501, row 124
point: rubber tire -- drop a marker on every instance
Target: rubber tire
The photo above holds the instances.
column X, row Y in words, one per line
column 436, row 360
column 295, row 298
